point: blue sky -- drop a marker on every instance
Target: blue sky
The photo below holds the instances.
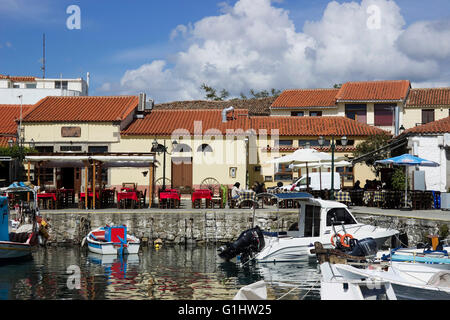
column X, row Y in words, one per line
column 117, row 37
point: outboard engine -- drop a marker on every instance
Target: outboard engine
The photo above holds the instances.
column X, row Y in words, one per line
column 366, row 247
column 248, row 243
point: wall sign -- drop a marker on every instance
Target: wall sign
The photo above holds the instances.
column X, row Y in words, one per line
column 72, row 132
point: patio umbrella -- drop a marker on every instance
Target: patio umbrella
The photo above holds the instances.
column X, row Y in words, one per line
column 408, row 160
column 303, row 156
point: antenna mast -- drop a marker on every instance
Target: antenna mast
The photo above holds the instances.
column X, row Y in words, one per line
column 43, row 56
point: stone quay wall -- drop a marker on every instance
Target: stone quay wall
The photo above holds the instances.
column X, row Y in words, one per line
column 208, row 227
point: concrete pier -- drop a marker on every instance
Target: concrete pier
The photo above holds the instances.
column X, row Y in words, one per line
column 202, row 226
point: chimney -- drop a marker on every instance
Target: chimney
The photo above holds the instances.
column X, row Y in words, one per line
column 224, row 113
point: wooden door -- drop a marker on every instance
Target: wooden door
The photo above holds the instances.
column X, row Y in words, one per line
column 182, row 173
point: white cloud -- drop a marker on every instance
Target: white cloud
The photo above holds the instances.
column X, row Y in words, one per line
column 254, row 45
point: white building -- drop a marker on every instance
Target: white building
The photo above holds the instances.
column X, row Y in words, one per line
column 33, row 89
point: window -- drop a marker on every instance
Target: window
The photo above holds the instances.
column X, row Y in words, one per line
column 349, row 142
column 61, row 85
column 45, row 174
column 427, row 115
column 44, row 149
column 204, row 148
column 384, row 114
column 312, row 221
column 339, row 215
column 356, row 112
column 297, row 113
column 30, row 85
column 70, row 148
column 97, row 149
column 346, row 173
column 181, row 147
column 16, row 86
column 312, row 143
column 315, row 113
column 285, row 143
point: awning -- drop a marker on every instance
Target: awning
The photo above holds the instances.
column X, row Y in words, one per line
column 79, row 161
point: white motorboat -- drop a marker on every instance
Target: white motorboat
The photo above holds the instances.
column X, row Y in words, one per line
column 334, row 286
column 112, row 240
column 410, row 281
column 319, row 220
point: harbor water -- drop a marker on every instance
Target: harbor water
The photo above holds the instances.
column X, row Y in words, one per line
column 169, row 273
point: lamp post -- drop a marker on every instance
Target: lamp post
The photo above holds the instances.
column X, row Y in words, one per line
column 157, row 147
column 344, row 142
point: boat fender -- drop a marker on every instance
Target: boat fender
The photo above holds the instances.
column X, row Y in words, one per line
column 345, row 240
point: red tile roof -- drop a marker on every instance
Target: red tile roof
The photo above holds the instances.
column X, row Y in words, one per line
column 429, row 97
column 387, row 90
column 18, row 78
column 9, row 114
column 301, row 98
column 439, row 126
column 165, row 122
column 82, row 109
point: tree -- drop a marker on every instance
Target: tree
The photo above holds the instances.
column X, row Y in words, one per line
column 211, row 93
column 337, row 85
column 373, row 143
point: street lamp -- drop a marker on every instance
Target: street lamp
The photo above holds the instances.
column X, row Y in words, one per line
column 157, row 147
column 344, row 141
column 32, row 144
column 11, row 143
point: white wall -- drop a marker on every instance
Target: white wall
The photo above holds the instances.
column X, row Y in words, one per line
column 31, row 96
column 427, row 147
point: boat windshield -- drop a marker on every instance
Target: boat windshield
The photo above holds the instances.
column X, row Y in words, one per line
column 340, row 215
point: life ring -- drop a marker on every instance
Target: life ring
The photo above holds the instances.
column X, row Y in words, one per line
column 336, row 235
column 344, row 238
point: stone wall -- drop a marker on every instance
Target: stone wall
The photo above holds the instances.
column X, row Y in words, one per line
column 181, row 227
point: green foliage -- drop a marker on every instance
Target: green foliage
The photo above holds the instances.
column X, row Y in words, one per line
column 337, row 85
column 373, row 143
column 398, row 179
column 211, row 93
column 15, row 151
column 443, row 231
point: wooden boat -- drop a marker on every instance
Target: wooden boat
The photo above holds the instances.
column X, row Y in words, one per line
column 112, row 240
column 17, row 240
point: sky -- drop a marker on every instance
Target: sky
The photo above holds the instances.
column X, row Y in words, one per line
column 169, row 48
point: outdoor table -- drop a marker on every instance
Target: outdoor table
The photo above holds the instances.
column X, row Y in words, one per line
column 127, row 195
column 49, row 198
column 342, row 196
column 201, row 194
column 246, row 195
column 170, row 195
column 372, row 197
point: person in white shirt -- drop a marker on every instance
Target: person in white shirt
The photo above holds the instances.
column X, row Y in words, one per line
column 235, row 192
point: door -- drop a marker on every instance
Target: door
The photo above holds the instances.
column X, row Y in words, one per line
column 182, row 173
column 68, row 178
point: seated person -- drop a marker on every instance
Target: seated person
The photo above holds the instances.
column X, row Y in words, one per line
column 357, row 185
column 235, row 192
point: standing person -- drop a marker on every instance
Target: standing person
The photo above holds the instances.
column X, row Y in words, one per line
column 235, row 192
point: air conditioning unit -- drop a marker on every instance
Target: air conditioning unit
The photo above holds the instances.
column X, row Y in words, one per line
column 141, row 103
column 445, row 201
column 149, row 105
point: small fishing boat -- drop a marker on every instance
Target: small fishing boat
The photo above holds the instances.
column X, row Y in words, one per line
column 19, row 236
column 112, row 240
column 318, row 221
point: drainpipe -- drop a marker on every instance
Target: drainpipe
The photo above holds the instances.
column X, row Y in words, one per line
column 397, row 120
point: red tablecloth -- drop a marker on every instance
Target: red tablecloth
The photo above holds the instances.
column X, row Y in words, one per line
column 46, row 195
column 127, row 195
column 90, row 194
column 201, row 194
column 169, row 195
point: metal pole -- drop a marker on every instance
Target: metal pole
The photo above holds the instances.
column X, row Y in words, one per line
column 164, row 166
column 332, row 168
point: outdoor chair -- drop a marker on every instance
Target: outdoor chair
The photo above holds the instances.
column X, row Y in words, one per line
column 231, row 202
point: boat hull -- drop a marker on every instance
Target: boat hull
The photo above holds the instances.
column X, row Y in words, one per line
column 96, row 244
column 288, row 249
column 14, row 250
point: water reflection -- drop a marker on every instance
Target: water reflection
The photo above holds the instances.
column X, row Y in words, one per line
column 171, row 273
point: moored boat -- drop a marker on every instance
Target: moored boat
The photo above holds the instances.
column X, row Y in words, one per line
column 112, row 240
column 318, row 221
